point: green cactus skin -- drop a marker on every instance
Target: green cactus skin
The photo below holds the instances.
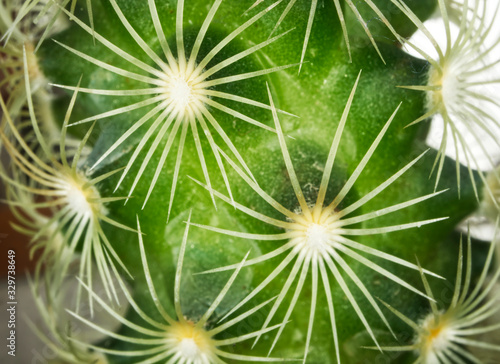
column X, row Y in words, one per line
column 310, row 105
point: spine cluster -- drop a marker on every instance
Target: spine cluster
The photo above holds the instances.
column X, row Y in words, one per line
column 188, row 126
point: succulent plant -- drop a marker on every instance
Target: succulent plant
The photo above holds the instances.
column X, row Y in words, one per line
column 251, row 180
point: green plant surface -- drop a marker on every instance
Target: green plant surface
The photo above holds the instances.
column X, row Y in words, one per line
column 249, row 158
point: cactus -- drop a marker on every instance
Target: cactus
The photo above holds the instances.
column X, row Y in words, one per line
column 250, row 181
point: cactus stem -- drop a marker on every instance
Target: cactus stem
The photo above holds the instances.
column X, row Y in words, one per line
column 182, row 94
column 340, row 13
column 317, row 235
column 77, row 209
column 180, row 339
column 442, row 334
